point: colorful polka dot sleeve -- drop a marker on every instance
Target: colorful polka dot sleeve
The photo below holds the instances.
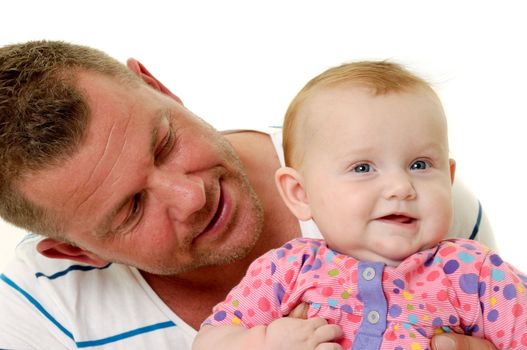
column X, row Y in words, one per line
column 459, row 286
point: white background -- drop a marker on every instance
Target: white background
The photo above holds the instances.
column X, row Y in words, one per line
column 239, row 63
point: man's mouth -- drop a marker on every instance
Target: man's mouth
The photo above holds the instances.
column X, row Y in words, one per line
column 220, row 217
column 217, row 214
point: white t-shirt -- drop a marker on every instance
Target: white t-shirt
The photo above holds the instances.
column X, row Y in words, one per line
column 59, row 304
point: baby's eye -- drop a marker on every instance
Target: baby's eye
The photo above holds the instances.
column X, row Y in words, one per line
column 419, row 165
column 362, row 168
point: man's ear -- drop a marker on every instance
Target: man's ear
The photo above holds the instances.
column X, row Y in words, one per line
column 452, row 170
column 55, row 249
column 289, row 183
column 140, row 70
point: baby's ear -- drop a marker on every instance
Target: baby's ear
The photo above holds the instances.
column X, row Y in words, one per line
column 289, row 183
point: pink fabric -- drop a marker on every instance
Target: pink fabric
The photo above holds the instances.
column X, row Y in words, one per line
column 458, row 286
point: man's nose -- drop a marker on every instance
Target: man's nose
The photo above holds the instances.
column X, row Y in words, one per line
column 399, row 186
column 183, row 194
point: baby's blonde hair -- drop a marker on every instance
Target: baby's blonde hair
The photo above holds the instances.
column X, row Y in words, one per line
column 381, row 77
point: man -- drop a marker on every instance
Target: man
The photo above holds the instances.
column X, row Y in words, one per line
column 150, row 215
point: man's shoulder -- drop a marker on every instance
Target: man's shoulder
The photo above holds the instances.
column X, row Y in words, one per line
column 252, row 135
column 34, row 277
column 269, row 130
column 28, row 263
column 67, row 301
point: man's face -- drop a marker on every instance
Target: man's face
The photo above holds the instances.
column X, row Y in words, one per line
column 152, row 185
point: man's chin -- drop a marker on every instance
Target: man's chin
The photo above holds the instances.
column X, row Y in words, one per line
column 204, row 260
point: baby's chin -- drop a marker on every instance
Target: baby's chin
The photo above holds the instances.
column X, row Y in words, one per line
column 388, row 259
column 392, row 263
column 393, row 260
column 397, row 257
column 391, row 255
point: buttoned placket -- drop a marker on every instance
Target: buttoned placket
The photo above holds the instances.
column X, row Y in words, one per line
column 373, row 324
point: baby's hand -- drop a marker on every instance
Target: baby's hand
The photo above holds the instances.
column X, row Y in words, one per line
column 453, row 341
column 296, row 334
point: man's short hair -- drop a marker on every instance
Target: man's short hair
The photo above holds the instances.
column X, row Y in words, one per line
column 43, row 118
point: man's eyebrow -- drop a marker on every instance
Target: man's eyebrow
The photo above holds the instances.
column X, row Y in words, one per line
column 103, row 230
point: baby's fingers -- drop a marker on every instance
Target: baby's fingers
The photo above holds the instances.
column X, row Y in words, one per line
column 328, row 332
column 329, row 346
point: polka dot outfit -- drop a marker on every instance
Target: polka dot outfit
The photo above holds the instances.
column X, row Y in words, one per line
column 459, row 286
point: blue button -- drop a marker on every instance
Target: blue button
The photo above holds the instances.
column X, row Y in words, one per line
column 368, row 274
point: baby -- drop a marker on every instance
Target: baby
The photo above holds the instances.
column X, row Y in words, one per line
column 367, row 157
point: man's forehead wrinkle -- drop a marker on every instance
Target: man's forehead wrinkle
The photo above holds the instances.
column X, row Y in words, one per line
column 100, row 157
column 121, row 151
column 101, row 160
column 103, row 227
column 70, row 197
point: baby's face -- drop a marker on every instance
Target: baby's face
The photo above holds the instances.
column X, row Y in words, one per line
column 376, row 171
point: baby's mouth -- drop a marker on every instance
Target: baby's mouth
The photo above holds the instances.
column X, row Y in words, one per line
column 398, row 218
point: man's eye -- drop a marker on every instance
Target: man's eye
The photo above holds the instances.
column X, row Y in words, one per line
column 136, row 204
column 419, row 165
column 362, row 168
column 134, row 211
column 165, row 146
